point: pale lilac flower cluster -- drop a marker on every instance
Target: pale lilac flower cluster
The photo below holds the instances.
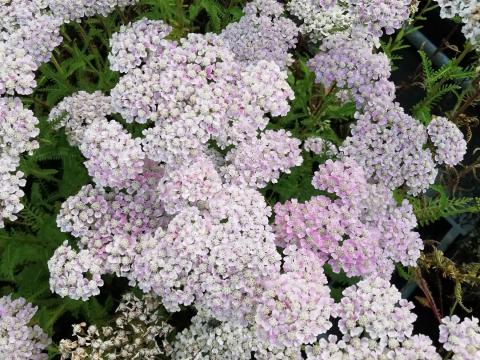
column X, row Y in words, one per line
column 375, row 324
column 208, row 339
column 461, row 337
column 114, row 157
column 363, row 231
column 75, row 274
column 132, row 333
column 390, row 146
column 17, row 133
column 295, row 306
column 259, row 161
column 376, row 15
column 320, row 18
column 28, row 34
column 320, row 146
column 20, row 340
column 108, row 225
column 449, row 142
column 78, row 111
column 75, row 10
column 232, row 237
column 195, row 91
column 190, row 184
column 416, row 347
column 262, row 34
column 131, row 45
column 468, row 11
column 350, row 63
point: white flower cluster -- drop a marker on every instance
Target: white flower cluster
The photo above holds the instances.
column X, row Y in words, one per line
column 75, row 274
column 132, row 334
column 133, row 43
column 76, row 9
column 19, row 340
column 321, row 18
column 376, row 324
column 114, row 157
column 29, row 32
column 468, row 11
column 17, row 132
column 450, row 145
column 76, row 112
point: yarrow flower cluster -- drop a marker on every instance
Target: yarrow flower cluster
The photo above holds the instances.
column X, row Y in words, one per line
column 68, row 10
column 18, row 338
column 114, row 158
column 321, row 18
column 17, row 133
column 349, row 63
column 132, row 44
column 375, row 324
column 450, row 145
column 138, row 331
column 257, row 162
column 262, row 34
column 461, row 337
column 391, row 147
column 377, row 233
column 76, row 112
column 320, row 146
column 468, row 11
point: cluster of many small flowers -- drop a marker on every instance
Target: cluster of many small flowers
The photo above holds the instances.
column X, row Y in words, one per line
column 388, row 143
column 138, row 331
column 363, row 231
column 450, row 145
column 18, row 338
column 74, row 113
column 259, row 161
column 373, row 17
column 29, row 32
column 131, row 45
column 114, row 157
column 348, row 62
column 391, row 147
column 195, row 90
column 461, row 337
column 468, row 11
column 75, row 10
column 262, row 34
column 108, row 225
column 17, row 133
column 320, row 146
column 215, row 248
column 376, row 324
column 209, row 339
column 319, row 19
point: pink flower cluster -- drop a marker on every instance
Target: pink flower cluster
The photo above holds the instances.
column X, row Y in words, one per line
column 450, row 145
column 363, row 231
column 262, row 34
column 18, row 338
column 375, row 324
column 461, row 337
column 132, row 44
column 17, row 133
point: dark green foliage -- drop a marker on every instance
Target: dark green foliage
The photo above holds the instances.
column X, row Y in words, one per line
column 430, row 209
